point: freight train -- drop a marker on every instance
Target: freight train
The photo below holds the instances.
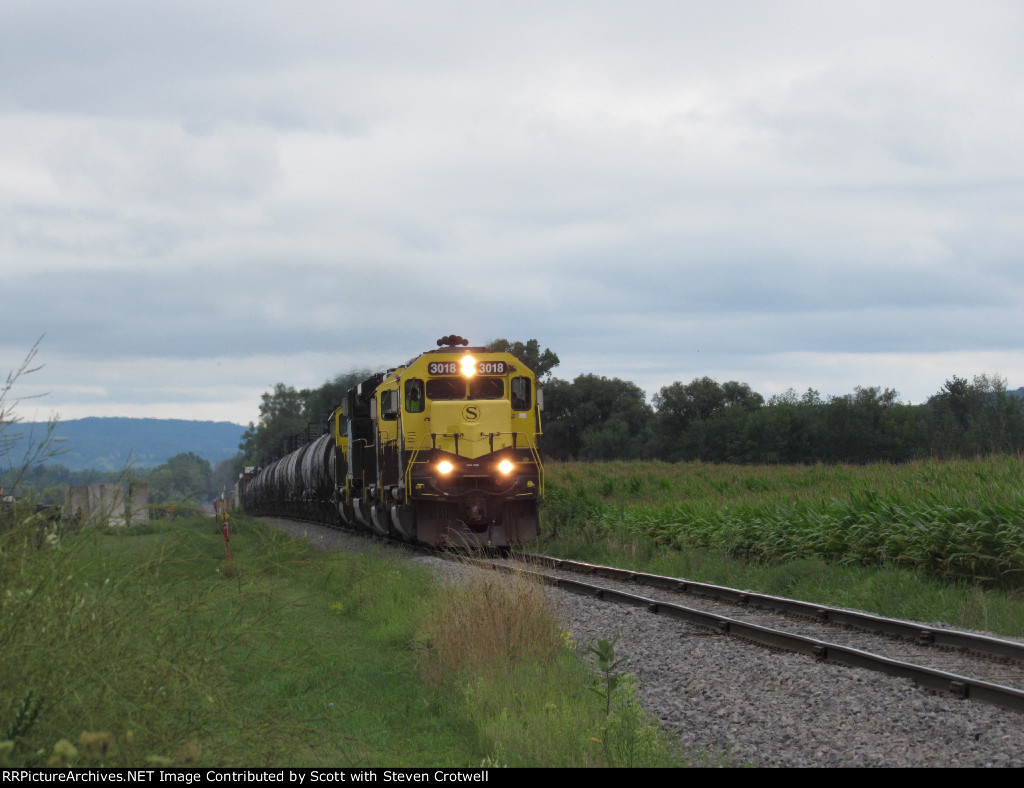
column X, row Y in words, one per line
column 441, row 451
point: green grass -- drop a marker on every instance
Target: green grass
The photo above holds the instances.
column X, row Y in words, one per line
column 135, row 647
column 132, row 647
column 932, row 541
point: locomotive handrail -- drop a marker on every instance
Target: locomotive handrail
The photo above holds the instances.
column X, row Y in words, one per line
column 423, row 440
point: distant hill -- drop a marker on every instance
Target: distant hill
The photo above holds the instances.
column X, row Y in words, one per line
column 108, row 444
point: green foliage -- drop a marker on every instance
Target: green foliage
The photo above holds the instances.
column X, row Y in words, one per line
column 594, row 418
column 281, row 415
column 604, row 652
column 25, row 713
column 977, row 417
column 493, row 642
column 954, row 519
column 529, row 352
column 632, row 737
column 185, row 477
column 184, row 480
column 286, row 412
column 637, row 531
column 47, row 482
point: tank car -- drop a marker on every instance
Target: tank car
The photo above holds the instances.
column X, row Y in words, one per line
column 441, row 451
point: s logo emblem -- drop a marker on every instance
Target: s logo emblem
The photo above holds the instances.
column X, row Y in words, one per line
column 470, row 413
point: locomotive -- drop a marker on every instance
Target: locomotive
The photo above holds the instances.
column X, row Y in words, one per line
column 440, row 451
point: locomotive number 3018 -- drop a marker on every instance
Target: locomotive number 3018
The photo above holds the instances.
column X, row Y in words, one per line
column 453, row 368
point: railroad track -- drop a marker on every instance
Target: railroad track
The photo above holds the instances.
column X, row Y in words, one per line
column 768, row 705
column 967, row 665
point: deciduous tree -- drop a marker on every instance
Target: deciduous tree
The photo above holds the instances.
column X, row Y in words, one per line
column 529, row 352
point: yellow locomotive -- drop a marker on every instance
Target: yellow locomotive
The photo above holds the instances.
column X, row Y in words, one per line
column 442, row 450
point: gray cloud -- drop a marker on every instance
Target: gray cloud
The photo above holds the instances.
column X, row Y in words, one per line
column 759, row 190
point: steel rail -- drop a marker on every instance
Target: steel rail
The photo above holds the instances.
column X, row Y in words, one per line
column 984, row 645
column 930, row 678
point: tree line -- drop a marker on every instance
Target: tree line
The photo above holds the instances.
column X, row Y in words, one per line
column 597, row 418
column 183, row 479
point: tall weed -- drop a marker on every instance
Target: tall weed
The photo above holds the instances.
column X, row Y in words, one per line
column 494, row 641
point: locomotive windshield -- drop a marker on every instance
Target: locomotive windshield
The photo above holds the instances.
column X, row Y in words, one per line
column 446, row 388
column 486, row 388
column 457, row 388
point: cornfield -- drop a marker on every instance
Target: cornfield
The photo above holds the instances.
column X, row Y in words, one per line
column 959, row 519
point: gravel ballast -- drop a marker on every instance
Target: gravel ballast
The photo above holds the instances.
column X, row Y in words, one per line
column 762, row 707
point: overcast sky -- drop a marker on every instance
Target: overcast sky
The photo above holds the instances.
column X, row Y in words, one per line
column 201, row 199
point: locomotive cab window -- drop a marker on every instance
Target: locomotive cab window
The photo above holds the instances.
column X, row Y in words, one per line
column 389, row 405
column 521, row 394
column 486, row 388
column 414, row 396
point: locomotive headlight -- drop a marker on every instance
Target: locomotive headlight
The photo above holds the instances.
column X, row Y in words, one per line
column 505, row 467
column 468, row 366
column 445, row 467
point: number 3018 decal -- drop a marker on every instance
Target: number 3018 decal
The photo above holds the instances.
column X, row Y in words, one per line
column 453, row 368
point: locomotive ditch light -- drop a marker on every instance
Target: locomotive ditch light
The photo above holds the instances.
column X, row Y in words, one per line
column 468, row 366
column 505, row 467
column 445, row 467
